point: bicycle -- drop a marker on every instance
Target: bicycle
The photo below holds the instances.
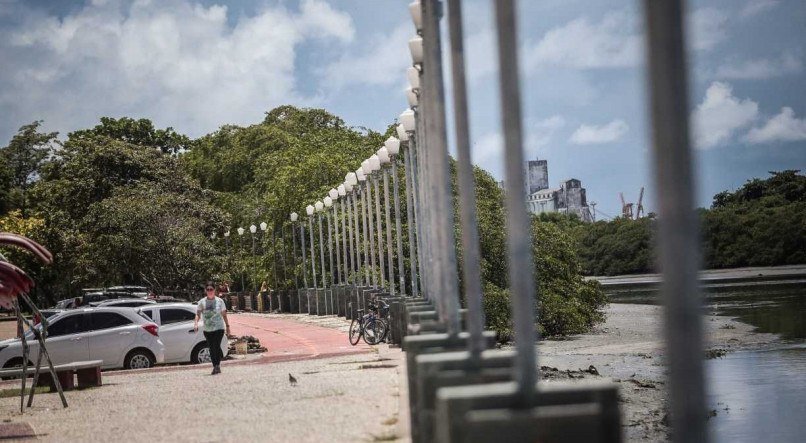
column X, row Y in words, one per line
column 369, row 326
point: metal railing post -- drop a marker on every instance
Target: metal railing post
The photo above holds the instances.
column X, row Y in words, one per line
column 411, row 217
column 321, row 249
column 519, row 231
column 398, row 228
column 367, row 236
column 387, row 213
column 443, row 248
column 381, row 266
column 337, row 269
column 678, row 239
column 467, row 185
column 313, row 254
column 330, row 245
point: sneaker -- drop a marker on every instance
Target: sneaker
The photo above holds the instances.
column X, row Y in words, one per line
column 216, row 370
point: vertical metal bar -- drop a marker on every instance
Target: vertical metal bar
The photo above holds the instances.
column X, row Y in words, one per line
column 283, row 252
column 519, row 243
column 387, row 209
column 410, row 221
column 381, row 267
column 273, row 254
column 302, row 242
column 367, row 235
column 313, row 254
column 467, row 196
column 371, row 232
column 353, row 262
column 321, row 249
column 418, row 211
column 678, row 239
column 294, row 257
column 337, row 269
column 357, row 250
column 398, row 228
column 330, row 246
column 441, row 207
column 345, row 208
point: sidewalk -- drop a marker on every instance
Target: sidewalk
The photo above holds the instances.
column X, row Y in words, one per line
column 353, row 395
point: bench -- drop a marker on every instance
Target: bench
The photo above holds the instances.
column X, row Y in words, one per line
column 87, row 372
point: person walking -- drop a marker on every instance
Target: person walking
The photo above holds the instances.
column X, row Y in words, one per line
column 214, row 312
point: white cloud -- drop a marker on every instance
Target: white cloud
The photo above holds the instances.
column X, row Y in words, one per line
column 755, row 7
column 708, row 28
column 180, row 63
column 382, row 62
column 720, row 115
column 593, row 134
column 784, row 127
column 760, row 68
column 613, row 42
column 540, row 133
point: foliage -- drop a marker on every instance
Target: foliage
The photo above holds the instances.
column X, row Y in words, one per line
column 19, row 163
column 137, row 132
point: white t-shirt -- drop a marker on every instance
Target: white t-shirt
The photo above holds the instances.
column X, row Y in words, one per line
column 211, row 312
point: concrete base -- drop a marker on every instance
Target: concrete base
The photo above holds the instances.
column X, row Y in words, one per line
column 581, row 411
column 435, row 371
column 428, row 344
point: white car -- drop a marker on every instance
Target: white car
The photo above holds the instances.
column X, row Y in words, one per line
column 182, row 343
column 120, row 337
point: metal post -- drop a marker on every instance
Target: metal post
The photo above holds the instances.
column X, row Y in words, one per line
column 467, row 197
column 337, row 270
column 387, row 209
column 361, row 260
column 519, row 236
column 442, row 246
column 371, row 232
column 678, row 239
column 353, row 257
column 321, row 250
column 302, row 243
column 294, row 257
column 283, row 253
column 398, row 228
column 381, row 267
column 313, row 254
column 410, row 217
column 254, row 258
column 330, row 246
column 273, row 253
column 345, row 210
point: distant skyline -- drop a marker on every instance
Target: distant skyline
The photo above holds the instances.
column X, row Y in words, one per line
column 198, row 65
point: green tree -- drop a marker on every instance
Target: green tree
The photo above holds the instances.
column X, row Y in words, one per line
column 137, row 132
column 20, row 162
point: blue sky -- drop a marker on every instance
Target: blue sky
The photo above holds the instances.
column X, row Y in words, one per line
column 196, row 65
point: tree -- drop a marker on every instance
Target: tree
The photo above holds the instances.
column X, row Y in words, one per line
column 20, row 162
column 137, row 132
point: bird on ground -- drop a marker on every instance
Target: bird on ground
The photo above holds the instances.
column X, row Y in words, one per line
column 292, row 380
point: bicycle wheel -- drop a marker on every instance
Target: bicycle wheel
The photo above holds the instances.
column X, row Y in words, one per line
column 374, row 331
column 355, row 332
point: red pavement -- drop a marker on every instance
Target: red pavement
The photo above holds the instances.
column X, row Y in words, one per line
column 291, row 340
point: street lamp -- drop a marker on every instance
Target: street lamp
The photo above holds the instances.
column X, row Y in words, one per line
column 319, row 207
column 368, row 261
column 413, row 75
column 294, row 217
column 402, row 135
column 392, row 146
column 345, row 207
column 416, row 49
column 334, row 195
column 412, row 98
column 328, row 204
column 240, row 248
column 383, row 156
column 352, row 224
column 416, row 11
column 309, row 210
column 375, row 166
column 405, row 131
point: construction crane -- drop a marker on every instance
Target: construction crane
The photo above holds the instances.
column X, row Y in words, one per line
column 640, row 208
column 626, row 208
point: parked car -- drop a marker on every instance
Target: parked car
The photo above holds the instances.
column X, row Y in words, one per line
column 120, row 337
column 182, row 343
column 47, row 313
column 124, row 303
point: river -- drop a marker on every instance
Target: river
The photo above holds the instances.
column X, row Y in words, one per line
column 758, row 394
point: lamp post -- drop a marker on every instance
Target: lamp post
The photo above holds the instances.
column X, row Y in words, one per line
column 383, row 156
column 345, row 207
column 368, row 262
column 375, row 166
column 253, row 230
column 226, row 245
column 334, row 195
column 352, row 225
column 319, row 207
column 240, row 248
column 309, row 210
column 404, row 130
column 392, row 146
column 328, row 204
column 294, row 216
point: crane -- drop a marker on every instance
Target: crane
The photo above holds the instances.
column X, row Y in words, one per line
column 640, row 208
column 626, row 208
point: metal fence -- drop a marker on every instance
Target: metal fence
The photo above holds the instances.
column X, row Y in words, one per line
column 460, row 389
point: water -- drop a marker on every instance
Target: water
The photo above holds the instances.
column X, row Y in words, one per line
column 757, row 395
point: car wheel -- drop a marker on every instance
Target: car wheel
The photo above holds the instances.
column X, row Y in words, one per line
column 15, row 362
column 138, row 359
column 201, row 353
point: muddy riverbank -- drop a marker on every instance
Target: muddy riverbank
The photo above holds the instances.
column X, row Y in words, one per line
column 628, row 349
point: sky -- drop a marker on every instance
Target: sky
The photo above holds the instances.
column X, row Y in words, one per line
column 198, row 65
